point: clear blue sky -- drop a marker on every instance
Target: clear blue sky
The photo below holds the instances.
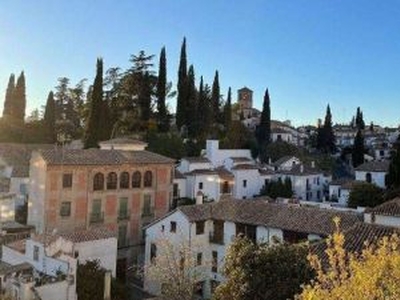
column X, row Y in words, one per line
column 307, row 52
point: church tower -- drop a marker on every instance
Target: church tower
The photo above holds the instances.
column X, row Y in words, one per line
column 245, row 98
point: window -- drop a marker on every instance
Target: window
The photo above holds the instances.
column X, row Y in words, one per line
column 173, row 226
column 65, row 209
column 318, row 195
column 225, row 187
column 368, row 178
column 122, row 230
column 153, row 252
column 162, row 228
column 147, row 209
column 200, row 227
column 67, row 180
column 175, row 190
column 247, row 230
column 123, row 208
column 98, row 182
column 112, row 181
column 199, row 260
column 96, row 215
column 124, row 180
column 214, row 266
column 35, row 253
column 148, row 179
column 200, row 185
column 136, row 179
column 244, row 183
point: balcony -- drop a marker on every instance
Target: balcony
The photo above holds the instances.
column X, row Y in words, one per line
column 96, row 217
column 216, row 238
column 124, row 215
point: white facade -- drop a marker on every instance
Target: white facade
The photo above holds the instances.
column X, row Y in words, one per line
column 340, row 193
column 377, row 178
column 248, row 183
column 218, row 156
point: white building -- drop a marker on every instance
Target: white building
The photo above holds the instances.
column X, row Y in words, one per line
column 339, row 191
column 210, row 228
column 52, row 260
column 373, row 172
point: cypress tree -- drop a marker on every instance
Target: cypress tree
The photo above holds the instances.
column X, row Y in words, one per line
column 181, row 105
column 393, row 176
column 215, row 99
column 19, row 99
column 203, row 109
column 228, row 111
column 93, row 126
column 192, row 104
column 358, row 149
column 162, row 115
column 328, row 137
column 9, row 99
column 145, row 97
column 50, row 118
column 359, row 119
column 263, row 133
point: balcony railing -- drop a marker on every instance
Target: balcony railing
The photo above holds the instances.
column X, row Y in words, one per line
column 124, row 215
column 148, row 213
column 216, row 238
column 96, row 217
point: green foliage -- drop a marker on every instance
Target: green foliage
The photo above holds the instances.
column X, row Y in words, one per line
column 19, row 98
column 90, row 281
column 278, row 149
column 203, row 110
column 359, row 120
column 262, row 271
column 191, row 120
column 393, row 177
column 228, row 111
column 358, row 149
column 263, row 131
column 162, row 113
column 9, row 99
column 275, row 189
column 49, row 119
column 215, row 100
column 239, row 137
column 93, row 128
column 181, row 108
column 168, row 144
column 325, row 135
column 365, row 194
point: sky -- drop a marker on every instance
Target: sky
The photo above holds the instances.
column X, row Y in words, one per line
column 308, row 53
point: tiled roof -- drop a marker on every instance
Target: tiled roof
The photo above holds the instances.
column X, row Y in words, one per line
column 357, row 237
column 101, row 157
column 259, row 212
column 240, row 159
column 245, row 167
column 374, row 166
column 389, row 208
column 266, row 172
column 178, row 175
column 196, row 159
column 224, row 173
column 4, row 185
column 77, row 236
column 345, row 183
column 282, row 160
column 123, row 140
column 19, row 155
column 202, row 172
column 301, row 169
column 18, row 245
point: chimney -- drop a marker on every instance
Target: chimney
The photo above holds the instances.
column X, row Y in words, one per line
column 269, row 161
column 199, row 198
column 301, row 168
column 313, row 164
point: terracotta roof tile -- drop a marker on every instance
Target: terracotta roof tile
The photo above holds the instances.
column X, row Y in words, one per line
column 196, row 159
column 374, row 166
column 245, row 167
column 240, row 159
column 389, row 208
column 259, row 212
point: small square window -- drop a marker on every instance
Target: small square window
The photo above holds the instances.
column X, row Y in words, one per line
column 65, row 209
column 67, row 180
column 173, row 226
column 200, row 185
column 162, row 228
column 200, row 227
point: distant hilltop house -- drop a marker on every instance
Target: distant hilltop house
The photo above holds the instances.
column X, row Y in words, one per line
column 120, row 186
column 373, row 172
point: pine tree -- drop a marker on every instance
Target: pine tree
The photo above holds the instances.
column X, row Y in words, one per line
column 93, row 126
column 19, row 99
column 263, row 132
column 228, row 111
column 358, row 149
column 162, row 114
column 145, row 97
column 181, row 105
column 9, row 99
column 215, row 99
column 50, row 118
